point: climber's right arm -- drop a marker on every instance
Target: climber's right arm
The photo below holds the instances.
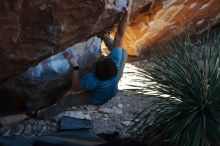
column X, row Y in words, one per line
column 117, row 43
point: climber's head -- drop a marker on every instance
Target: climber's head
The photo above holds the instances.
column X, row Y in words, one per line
column 105, row 69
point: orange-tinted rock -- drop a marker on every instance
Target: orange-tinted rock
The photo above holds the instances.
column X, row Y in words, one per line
column 168, row 19
column 32, row 30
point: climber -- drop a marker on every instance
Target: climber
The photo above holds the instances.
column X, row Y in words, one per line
column 102, row 83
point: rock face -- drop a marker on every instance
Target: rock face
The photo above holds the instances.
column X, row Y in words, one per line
column 41, row 85
column 167, row 19
column 31, row 31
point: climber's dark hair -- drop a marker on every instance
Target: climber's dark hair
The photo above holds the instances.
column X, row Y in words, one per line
column 105, row 69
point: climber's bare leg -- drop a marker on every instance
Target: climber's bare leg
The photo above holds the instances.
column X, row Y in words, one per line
column 12, row 119
column 67, row 101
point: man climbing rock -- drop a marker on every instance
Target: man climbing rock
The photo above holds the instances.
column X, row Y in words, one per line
column 101, row 84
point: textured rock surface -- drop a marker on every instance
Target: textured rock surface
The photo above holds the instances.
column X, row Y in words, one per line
column 44, row 83
column 167, row 19
column 31, row 30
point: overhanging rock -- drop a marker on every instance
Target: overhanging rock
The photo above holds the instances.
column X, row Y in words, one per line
column 41, row 85
column 33, row 30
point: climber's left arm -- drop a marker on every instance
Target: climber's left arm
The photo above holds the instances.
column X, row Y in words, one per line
column 75, row 72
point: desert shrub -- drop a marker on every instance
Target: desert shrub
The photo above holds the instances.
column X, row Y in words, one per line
column 189, row 115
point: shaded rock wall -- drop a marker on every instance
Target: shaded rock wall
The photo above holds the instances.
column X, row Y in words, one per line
column 33, row 30
column 168, row 19
column 41, row 85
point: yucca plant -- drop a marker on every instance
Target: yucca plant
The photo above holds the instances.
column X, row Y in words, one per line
column 189, row 115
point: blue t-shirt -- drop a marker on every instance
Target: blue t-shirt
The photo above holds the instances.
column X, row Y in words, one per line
column 102, row 91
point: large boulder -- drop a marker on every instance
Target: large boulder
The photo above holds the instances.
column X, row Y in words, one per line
column 167, row 19
column 33, row 30
column 42, row 85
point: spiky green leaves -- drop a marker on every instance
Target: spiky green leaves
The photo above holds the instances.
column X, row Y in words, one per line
column 189, row 75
